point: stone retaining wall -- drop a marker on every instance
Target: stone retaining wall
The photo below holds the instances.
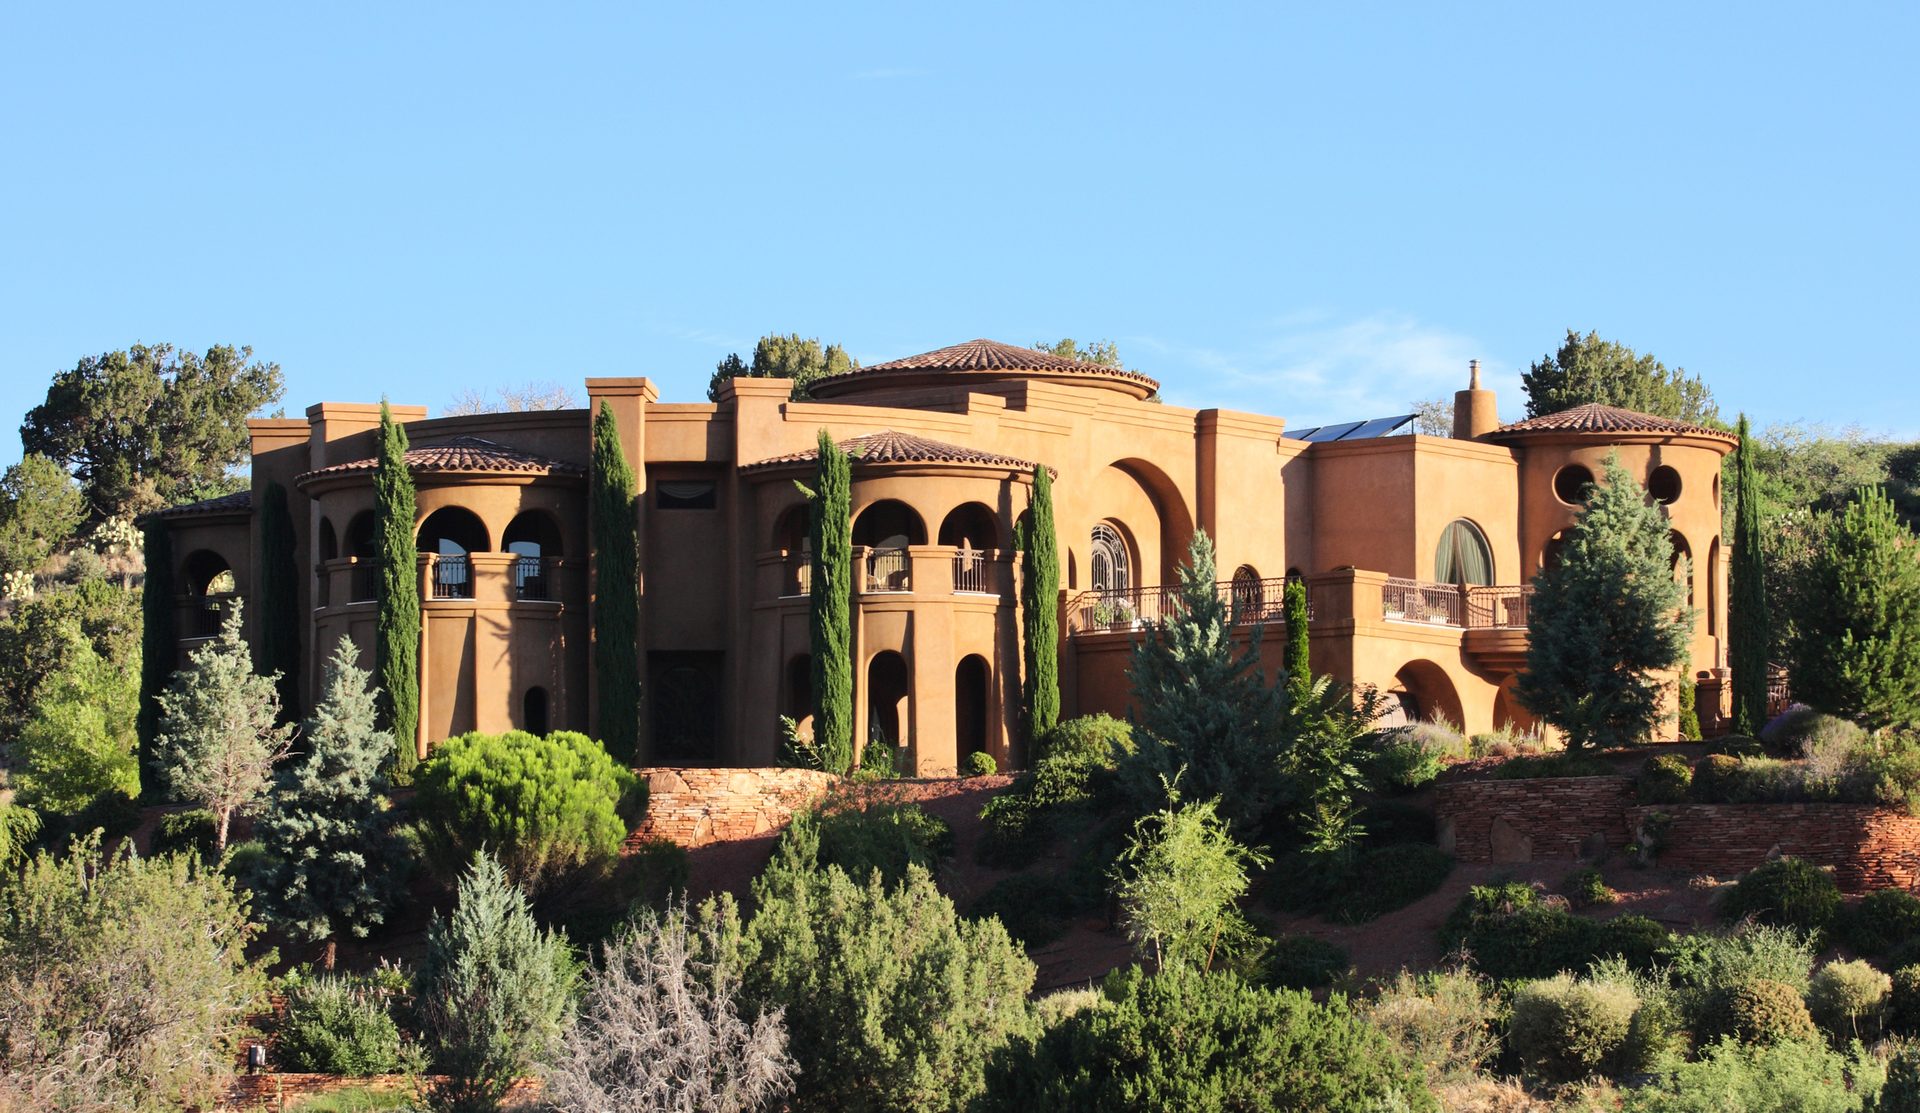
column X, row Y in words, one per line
column 1869, row 848
column 1533, row 820
column 694, row 807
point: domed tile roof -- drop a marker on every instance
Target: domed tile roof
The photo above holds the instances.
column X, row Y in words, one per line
column 1595, row 417
column 460, row 455
column 237, row 502
column 985, row 357
column 892, row 447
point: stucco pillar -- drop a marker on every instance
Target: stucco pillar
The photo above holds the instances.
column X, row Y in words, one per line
column 628, row 398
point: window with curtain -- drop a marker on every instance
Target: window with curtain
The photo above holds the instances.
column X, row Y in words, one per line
column 1464, row 556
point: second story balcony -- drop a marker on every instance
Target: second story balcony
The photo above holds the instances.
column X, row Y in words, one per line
column 916, row 570
column 470, row 577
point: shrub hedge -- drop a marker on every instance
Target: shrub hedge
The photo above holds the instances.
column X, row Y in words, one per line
column 1786, row 892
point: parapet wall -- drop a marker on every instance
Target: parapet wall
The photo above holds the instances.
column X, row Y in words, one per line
column 1531, row 820
column 694, row 807
column 1869, row 848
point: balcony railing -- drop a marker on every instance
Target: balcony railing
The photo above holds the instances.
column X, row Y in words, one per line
column 796, row 575
column 1472, row 607
column 970, row 571
column 1248, row 602
column 363, row 583
column 888, row 570
column 532, row 579
column 206, row 614
column 452, row 578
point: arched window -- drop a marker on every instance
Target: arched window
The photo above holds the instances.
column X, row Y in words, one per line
column 451, row 533
column 1682, row 558
column 1112, row 571
column 1463, row 556
column 329, row 546
column 1244, row 598
column 533, row 537
column 208, row 574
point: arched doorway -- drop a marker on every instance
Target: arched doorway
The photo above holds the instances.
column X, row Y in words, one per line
column 533, row 712
column 684, row 691
column 1713, row 588
column 886, row 528
column 533, row 537
column 971, row 530
column 1425, row 692
column 450, row 533
column 796, row 692
column 1244, row 597
column 889, row 707
column 1112, row 564
column 209, row 584
column 972, row 688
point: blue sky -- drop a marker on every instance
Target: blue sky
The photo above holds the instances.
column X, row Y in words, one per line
column 1315, row 211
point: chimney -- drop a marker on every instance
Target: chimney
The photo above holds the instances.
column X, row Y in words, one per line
column 1474, row 411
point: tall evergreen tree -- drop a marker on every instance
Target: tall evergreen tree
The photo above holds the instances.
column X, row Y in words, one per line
column 159, row 646
column 1298, row 662
column 1749, row 624
column 1589, row 369
column 1858, row 655
column 280, row 598
column 397, row 597
column 616, row 591
column 1606, row 620
column 830, row 625
column 1040, row 608
column 325, row 826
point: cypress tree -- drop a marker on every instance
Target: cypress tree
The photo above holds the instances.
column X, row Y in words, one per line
column 1606, row 620
column 1298, row 665
column 616, row 590
column 280, row 599
column 1040, row 609
column 397, row 597
column 159, row 647
column 1749, row 626
column 325, row 827
column 831, row 620
column 1859, row 651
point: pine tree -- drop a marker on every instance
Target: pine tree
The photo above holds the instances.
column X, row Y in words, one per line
column 1199, row 707
column 831, row 622
column 1040, row 608
column 1299, row 665
column 397, row 597
column 280, row 598
column 326, row 821
column 1858, row 655
column 220, row 733
column 616, row 591
column 1606, row 620
column 159, row 647
column 1749, row 624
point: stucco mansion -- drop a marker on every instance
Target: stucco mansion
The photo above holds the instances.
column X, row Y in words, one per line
column 1415, row 549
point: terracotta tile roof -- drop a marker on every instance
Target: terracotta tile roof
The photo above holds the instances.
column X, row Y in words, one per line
column 891, row 447
column 237, row 502
column 1597, row 418
column 461, row 455
column 991, row 355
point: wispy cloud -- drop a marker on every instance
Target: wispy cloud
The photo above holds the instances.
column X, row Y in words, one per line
column 889, row 74
column 1312, row 368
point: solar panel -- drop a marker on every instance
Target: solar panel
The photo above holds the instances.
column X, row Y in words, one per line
column 1334, row 432
column 1301, row 434
column 1351, row 430
column 1378, row 427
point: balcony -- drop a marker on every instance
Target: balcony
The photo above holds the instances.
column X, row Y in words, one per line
column 485, row 578
column 886, row 570
column 1248, row 602
column 1468, row 607
column 201, row 616
column 926, row 571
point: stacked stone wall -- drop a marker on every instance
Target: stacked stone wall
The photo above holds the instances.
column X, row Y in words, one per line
column 1533, row 820
column 694, row 807
column 1868, row 848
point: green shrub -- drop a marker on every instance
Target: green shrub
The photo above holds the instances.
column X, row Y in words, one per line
column 1702, row 967
column 1028, row 906
column 337, row 1025
column 1411, row 756
column 1586, row 888
column 1736, row 745
column 180, row 832
column 1509, row 932
column 113, row 814
column 883, row 835
column 1184, row 1040
column 980, row 763
column 1388, row 878
column 1802, row 731
column 1763, row 1011
column 1787, row 892
column 1712, row 779
column 1781, row 1078
column 1562, row 1029
column 1901, row 1093
column 544, row 807
column 1849, row 999
column 1446, row 1021
column 1024, row 820
column 1903, row 1003
column 1099, row 738
column 1664, row 780
column 645, row 879
column 1561, row 764
column 1879, row 921
column 1302, row 962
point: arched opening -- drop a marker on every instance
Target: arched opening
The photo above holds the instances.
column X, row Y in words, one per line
column 886, row 528
column 533, row 712
column 1111, row 562
column 970, row 525
column 796, row 693
column 363, row 536
column 1551, row 552
column 1663, row 483
column 971, row 688
column 209, row 584
column 889, row 708
column 1713, row 588
column 1510, row 714
column 450, row 533
column 1159, row 548
column 793, row 535
column 1682, row 563
column 1244, row 597
column 1424, row 692
column 1463, row 556
column 327, row 546
column 533, row 537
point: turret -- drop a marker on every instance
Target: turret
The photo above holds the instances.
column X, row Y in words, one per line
column 1474, row 411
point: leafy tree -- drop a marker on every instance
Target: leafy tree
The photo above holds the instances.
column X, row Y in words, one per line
column 494, row 994
column 220, row 733
column 124, row 981
column 18, row 825
column 525, row 398
column 1318, row 734
column 1199, row 706
column 41, row 508
column 1433, row 417
column 1179, row 882
column 1747, row 619
column 81, row 742
column 333, row 859
column 1298, row 663
column 892, row 1000
column 396, row 658
column 784, row 357
column 280, row 598
column 159, row 646
column 660, row 1026
column 1040, row 608
column 616, row 590
column 150, row 426
column 1589, row 369
column 1859, row 654
column 830, row 622
column 1605, row 619
column 1103, row 352
column 35, row 640
column 1186, row 1040
column 543, row 807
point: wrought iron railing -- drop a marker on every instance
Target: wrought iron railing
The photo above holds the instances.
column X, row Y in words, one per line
column 533, row 579
column 452, row 578
column 1473, row 607
column 209, row 614
column 888, row 570
column 1248, row 602
column 969, row 571
column 1498, row 607
column 363, row 581
column 796, row 577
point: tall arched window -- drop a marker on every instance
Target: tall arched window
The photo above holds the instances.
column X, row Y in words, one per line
column 1464, row 556
column 1112, row 571
column 1245, row 595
